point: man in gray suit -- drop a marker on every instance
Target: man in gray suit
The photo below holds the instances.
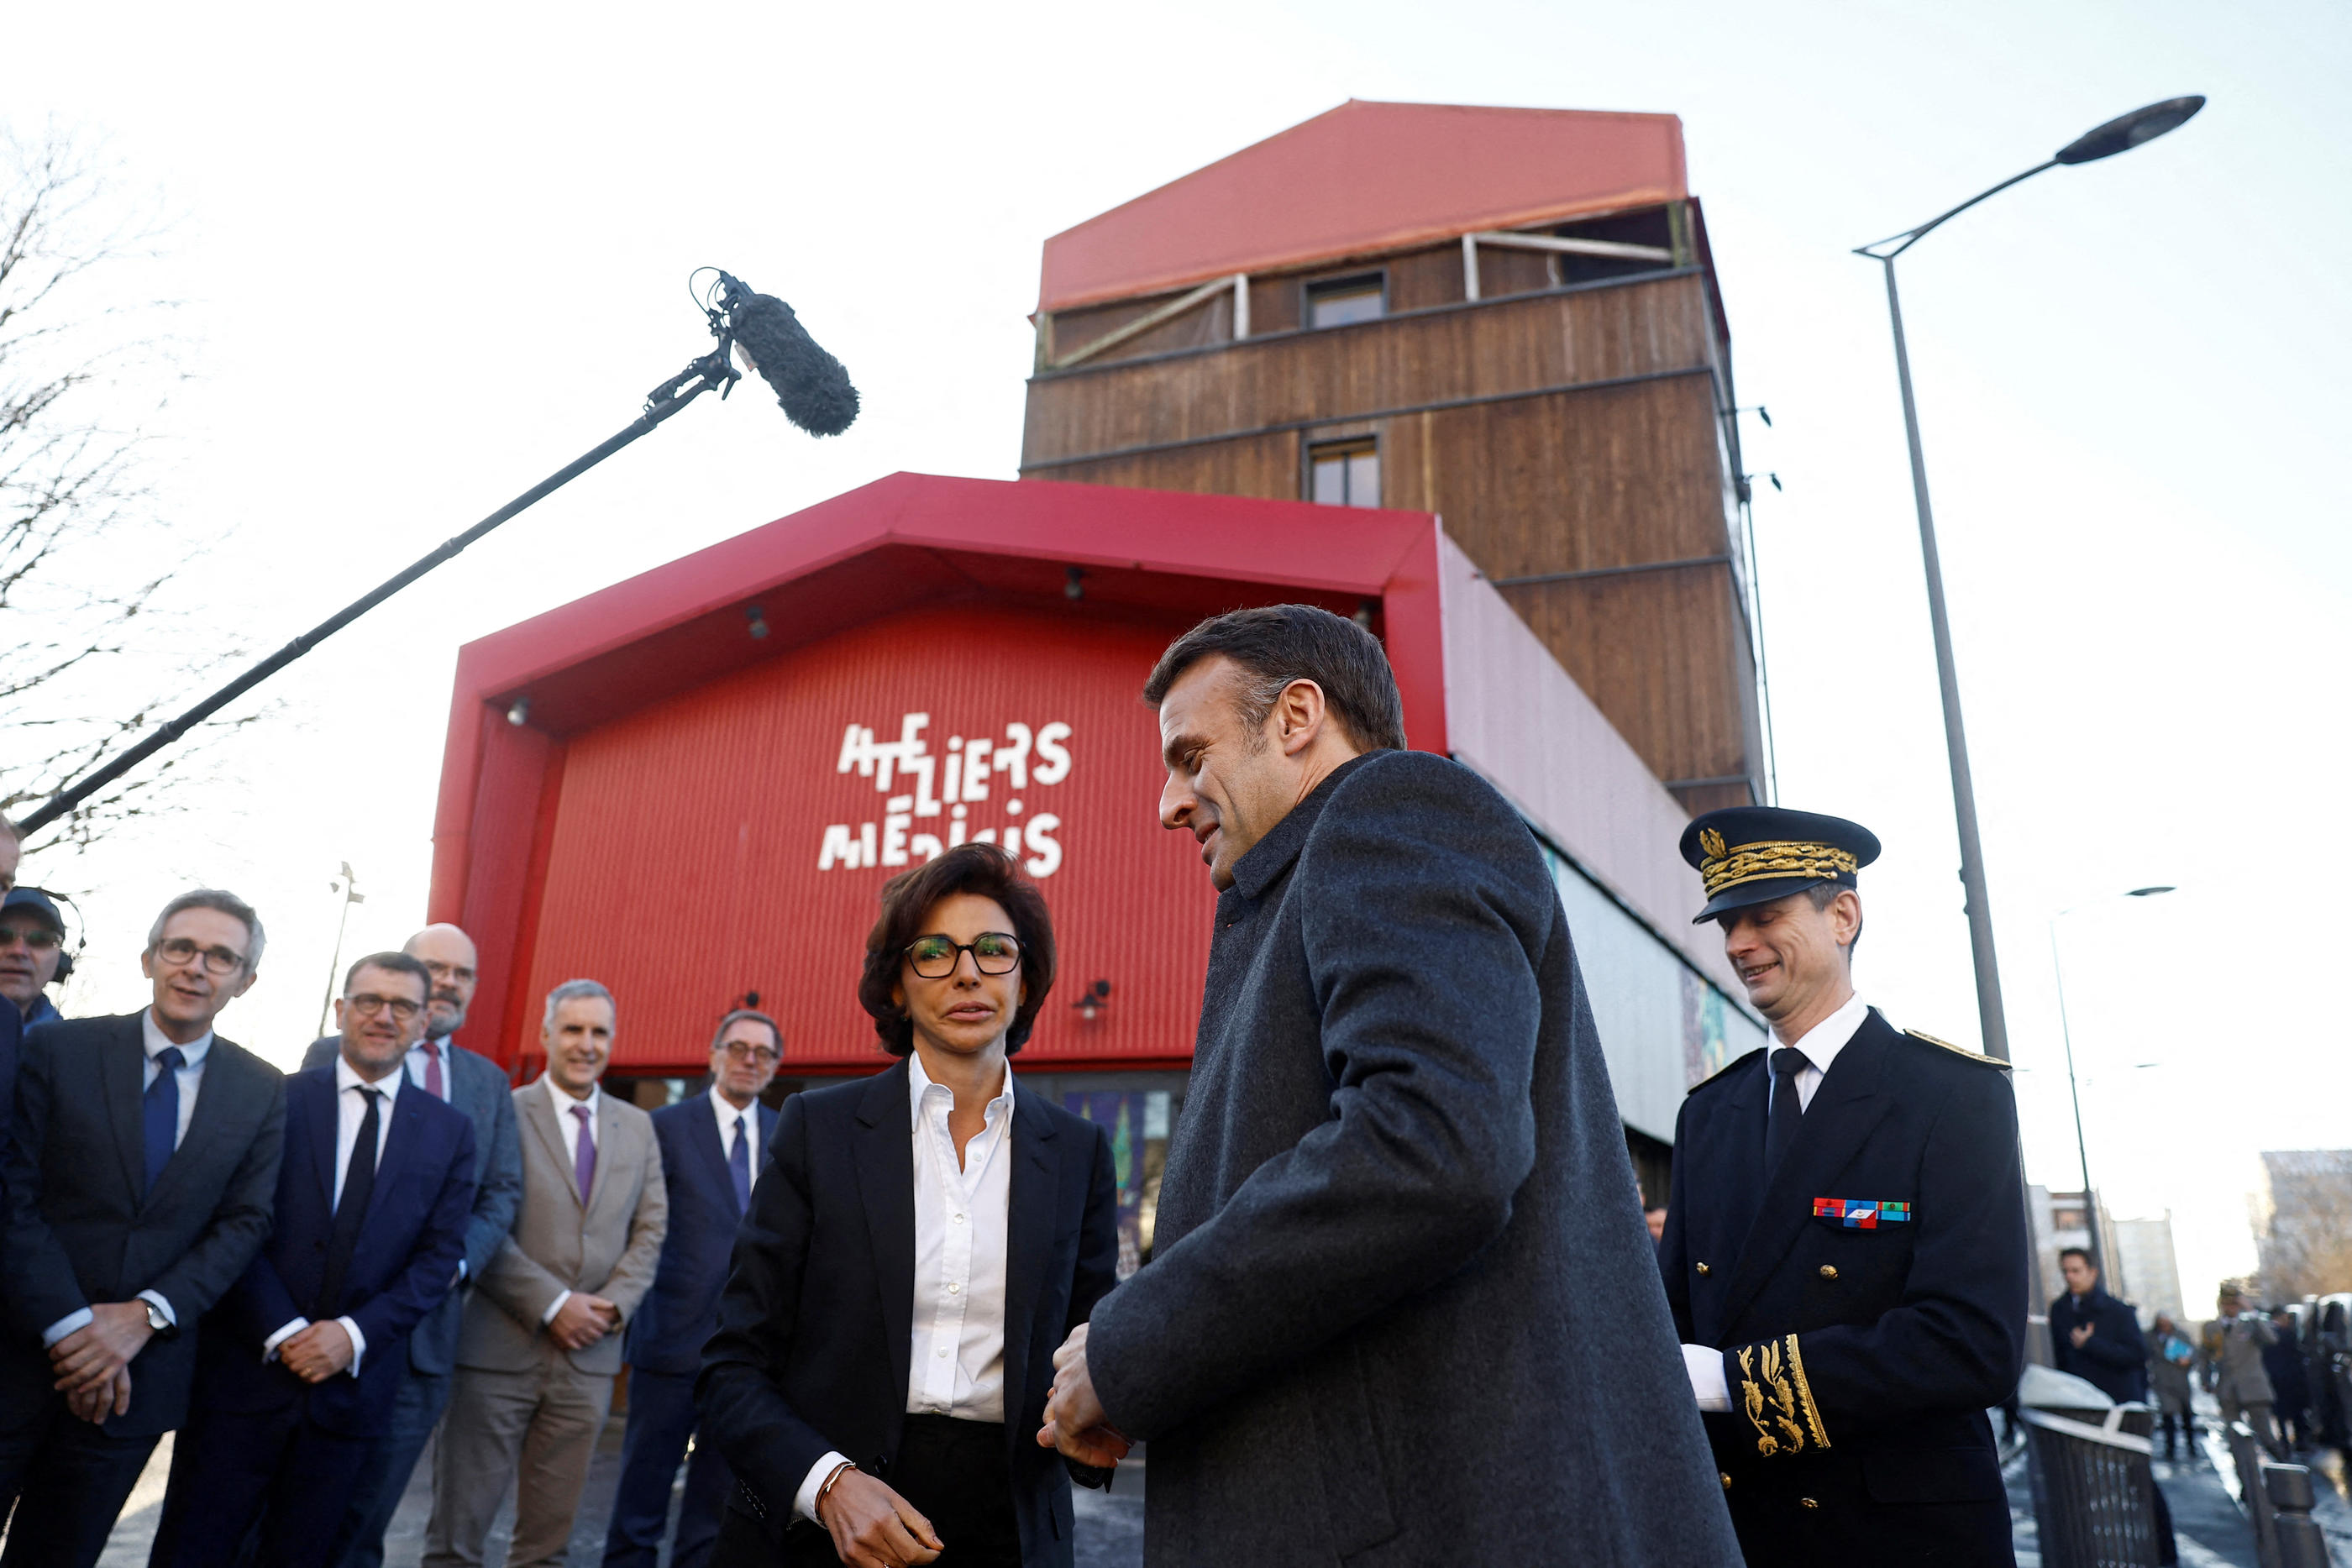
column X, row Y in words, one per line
column 541, row 1344
column 1402, row 1308
column 479, row 1087
column 2233, row 1353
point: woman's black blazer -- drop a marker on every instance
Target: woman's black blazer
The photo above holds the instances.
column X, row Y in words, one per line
column 815, row 1321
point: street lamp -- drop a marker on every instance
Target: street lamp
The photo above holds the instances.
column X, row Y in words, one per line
column 2119, row 135
column 2074, row 1093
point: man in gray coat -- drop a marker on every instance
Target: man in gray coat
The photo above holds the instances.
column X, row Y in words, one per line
column 2231, row 1351
column 478, row 1086
column 1402, row 1307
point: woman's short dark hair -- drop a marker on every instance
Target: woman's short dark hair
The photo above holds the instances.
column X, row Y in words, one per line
column 986, row 872
column 1276, row 644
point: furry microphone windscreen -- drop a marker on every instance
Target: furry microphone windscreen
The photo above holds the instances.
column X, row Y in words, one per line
column 811, row 385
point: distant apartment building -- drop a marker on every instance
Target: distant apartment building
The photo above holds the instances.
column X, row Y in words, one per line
column 2303, row 1223
column 2146, row 1273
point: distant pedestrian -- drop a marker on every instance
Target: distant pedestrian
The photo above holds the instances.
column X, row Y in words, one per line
column 1655, row 1218
column 2170, row 1360
column 2290, row 1389
column 712, row 1147
column 2094, row 1335
column 2232, row 1354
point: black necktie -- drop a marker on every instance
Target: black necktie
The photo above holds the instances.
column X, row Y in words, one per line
column 359, row 1183
column 1781, row 1127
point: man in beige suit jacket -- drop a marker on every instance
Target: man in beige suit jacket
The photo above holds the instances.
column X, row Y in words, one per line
column 541, row 1338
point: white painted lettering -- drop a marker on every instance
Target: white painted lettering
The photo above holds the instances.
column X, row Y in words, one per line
column 1044, row 849
column 1012, row 756
column 838, row 847
column 926, row 845
column 975, row 769
column 1053, row 760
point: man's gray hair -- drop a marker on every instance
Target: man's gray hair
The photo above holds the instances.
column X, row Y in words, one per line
column 572, row 992
column 227, row 904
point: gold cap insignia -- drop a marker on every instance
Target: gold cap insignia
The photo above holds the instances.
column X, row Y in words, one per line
column 1712, row 843
column 1773, row 862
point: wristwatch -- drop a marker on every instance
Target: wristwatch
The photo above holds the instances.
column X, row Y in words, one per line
column 156, row 1320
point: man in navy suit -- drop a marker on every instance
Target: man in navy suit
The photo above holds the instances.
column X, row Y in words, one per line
column 479, row 1087
column 140, row 1178
column 1846, row 1244
column 712, row 1147
column 302, row 1361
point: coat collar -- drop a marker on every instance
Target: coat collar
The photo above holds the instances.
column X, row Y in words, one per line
column 1272, row 855
column 1033, row 1215
column 1852, row 1098
column 885, row 1185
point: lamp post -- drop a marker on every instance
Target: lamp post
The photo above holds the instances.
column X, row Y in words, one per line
column 2119, row 135
column 2074, row 1093
column 349, row 888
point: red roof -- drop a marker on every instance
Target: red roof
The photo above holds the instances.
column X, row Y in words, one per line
column 1366, row 177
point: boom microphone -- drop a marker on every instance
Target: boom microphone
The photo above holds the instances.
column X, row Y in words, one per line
column 811, row 385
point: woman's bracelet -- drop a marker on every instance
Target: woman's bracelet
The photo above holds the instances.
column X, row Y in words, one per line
column 838, row 1472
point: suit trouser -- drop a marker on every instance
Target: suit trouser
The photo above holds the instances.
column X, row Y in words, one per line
column 661, row 1423
column 537, row 1429
column 69, row 1480
column 234, row 1470
column 2256, row 1414
column 383, row 1475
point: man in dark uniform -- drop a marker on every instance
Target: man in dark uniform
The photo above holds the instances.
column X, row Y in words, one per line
column 1845, row 1243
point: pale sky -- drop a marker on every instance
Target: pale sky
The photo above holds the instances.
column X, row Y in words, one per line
column 428, row 253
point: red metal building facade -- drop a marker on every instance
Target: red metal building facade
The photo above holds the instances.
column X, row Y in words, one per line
column 692, row 785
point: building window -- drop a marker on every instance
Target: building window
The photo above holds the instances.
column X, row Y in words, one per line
column 1344, row 474
column 1337, row 301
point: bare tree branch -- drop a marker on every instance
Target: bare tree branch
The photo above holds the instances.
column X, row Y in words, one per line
column 83, row 373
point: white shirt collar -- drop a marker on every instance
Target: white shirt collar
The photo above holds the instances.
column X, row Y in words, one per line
column 919, row 1084
column 562, row 1098
column 1822, row 1042
column 346, row 1078
column 727, row 1113
column 157, row 1042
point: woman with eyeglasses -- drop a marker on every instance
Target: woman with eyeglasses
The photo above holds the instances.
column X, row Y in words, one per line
column 920, row 1245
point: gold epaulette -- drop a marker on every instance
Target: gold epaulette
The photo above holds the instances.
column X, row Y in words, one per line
column 1979, row 1057
column 1727, row 1066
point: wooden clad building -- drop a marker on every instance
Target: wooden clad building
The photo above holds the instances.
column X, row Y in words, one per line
column 1506, row 317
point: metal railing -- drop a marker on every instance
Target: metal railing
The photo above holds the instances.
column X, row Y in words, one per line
column 2093, row 1494
column 2277, row 1499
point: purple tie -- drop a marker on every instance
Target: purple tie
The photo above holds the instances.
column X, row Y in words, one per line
column 583, row 1163
column 433, row 1080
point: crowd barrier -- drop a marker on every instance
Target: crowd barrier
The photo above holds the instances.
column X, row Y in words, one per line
column 2094, row 1493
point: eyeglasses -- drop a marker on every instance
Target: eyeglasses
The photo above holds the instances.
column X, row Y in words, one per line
column 367, row 1004
column 739, row 1050
column 40, row 938
column 993, row 953
column 218, row 960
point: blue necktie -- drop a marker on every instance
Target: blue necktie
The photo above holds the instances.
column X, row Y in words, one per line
column 738, row 1165
column 159, row 1117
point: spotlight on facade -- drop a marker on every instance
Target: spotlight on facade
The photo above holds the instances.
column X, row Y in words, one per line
column 758, row 620
column 1093, row 1001
column 520, row 714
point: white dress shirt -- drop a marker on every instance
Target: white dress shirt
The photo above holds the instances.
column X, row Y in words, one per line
column 569, row 1125
column 955, row 1365
column 155, row 1042
column 418, row 1063
column 350, row 1115
column 728, row 1116
column 1821, row 1045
